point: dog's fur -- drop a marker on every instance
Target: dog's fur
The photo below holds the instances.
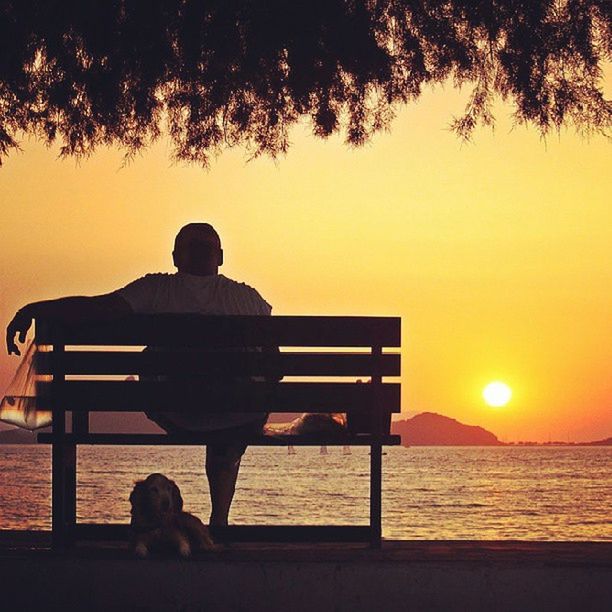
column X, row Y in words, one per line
column 159, row 523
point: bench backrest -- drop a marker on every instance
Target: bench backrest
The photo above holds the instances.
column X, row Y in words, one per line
column 224, row 363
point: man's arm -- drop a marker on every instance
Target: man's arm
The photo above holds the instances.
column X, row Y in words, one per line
column 72, row 310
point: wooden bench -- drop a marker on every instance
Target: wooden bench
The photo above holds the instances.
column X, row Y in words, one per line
column 198, row 369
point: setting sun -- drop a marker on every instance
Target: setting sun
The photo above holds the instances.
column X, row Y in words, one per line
column 497, row 394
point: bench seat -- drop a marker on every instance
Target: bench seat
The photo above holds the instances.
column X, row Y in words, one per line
column 199, row 439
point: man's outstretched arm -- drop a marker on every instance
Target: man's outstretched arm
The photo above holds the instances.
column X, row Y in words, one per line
column 72, row 310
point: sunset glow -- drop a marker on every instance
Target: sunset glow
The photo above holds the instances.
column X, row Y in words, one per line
column 496, row 254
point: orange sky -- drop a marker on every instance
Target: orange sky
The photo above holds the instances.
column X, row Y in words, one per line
column 496, row 254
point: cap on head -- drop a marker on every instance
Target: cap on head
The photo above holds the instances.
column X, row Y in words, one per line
column 197, row 249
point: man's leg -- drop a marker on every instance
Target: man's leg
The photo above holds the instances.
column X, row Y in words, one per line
column 222, row 465
column 222, row 462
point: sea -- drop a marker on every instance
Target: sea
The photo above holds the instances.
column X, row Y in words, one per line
column 429, row 493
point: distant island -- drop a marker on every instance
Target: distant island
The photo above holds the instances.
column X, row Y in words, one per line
column 424, row 429
column 431, row 429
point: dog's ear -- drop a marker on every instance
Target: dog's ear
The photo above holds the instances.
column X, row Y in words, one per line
column 137, row 494
column 177, row 500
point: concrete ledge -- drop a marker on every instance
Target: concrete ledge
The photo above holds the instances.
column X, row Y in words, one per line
column 400, row 576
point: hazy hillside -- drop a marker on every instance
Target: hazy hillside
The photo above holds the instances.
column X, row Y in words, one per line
column 17, row 436
column 125, row 422
column 605, row 442
column 431, row 429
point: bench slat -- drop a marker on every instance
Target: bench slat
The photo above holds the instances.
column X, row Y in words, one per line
column 237, row 331
column 200, row 362
column 199, row 439
column 202, row 396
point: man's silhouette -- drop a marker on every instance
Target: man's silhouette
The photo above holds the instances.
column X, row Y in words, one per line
column 197, row 287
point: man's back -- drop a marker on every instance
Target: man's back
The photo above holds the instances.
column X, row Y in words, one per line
column 183, row 293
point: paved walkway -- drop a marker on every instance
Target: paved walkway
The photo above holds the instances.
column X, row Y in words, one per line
column 402, row 575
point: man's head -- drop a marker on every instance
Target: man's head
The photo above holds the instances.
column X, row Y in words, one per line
column 197, row 249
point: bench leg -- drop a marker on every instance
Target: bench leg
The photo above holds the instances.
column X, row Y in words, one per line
column 375, row 495
column 63, row 495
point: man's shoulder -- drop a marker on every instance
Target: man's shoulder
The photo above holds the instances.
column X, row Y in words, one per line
column 159, row 275
column 235, row 285
column 243, row 289
column 143, row 283
column 152, row 277
column 232, row 283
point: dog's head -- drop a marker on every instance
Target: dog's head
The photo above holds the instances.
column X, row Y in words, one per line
column 154, row 499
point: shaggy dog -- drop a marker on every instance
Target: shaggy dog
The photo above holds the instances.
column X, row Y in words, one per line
column 159, row 523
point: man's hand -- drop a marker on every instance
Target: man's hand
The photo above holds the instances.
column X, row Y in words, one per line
column 19, row 325
column 74, row 310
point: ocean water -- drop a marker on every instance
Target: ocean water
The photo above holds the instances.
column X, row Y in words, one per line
column 506, row 493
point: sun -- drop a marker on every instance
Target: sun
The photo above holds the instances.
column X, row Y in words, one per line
column 497, row 394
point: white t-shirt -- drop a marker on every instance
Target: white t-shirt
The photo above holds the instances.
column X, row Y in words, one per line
column 183, row 293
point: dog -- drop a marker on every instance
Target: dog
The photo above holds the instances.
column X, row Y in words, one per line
column 158, row 522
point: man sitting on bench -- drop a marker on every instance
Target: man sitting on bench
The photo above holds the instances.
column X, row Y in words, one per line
column 197, row 287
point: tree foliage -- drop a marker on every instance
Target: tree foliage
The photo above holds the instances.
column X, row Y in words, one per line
column 224, row 72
